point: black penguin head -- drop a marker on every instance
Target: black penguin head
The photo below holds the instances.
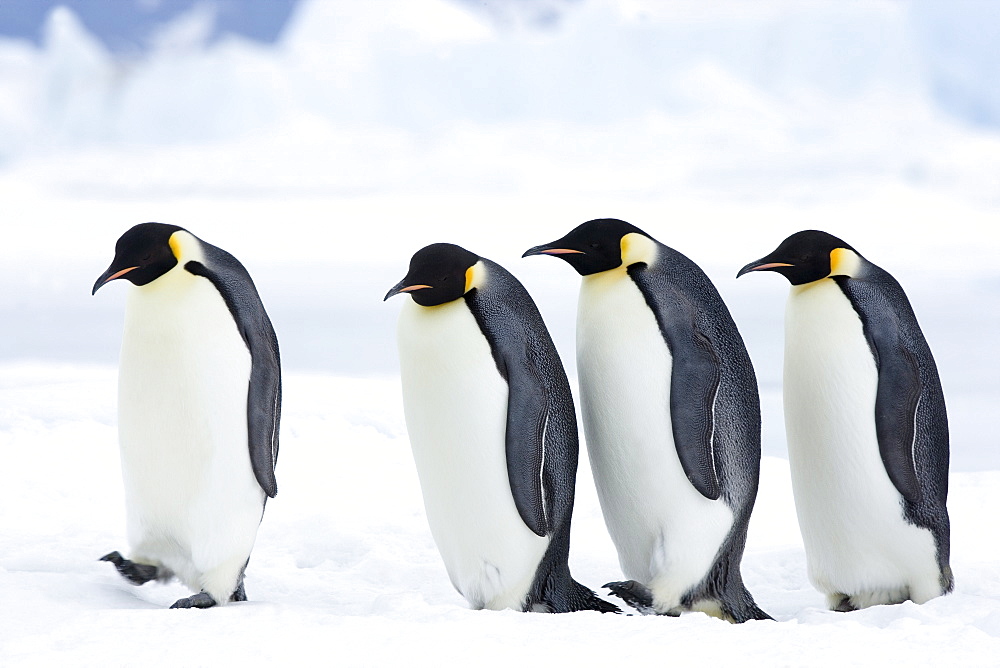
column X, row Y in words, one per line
column 807, row 256
column 142, row 255
column 592, row 247
column 438, row 274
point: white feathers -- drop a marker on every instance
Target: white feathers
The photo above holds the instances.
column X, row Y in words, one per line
column 456, row 411
column 192, row 502
column 667, row 534
column 850, row 514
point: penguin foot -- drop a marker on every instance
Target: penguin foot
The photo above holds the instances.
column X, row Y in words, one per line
column 600, row 605
column 137, row 574
column 579, row 597
column 199, row 600
column 635, row 594
column 240, row 594
column 842, row 603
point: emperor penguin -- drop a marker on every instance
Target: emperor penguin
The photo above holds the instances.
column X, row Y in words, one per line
column 866, row 427
column 493, row 430
column 672, row 420
column 199, row 402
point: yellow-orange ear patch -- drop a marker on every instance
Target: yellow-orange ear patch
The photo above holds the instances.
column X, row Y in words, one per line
column 175, row 245
column 475, row 276
column 844, row 262
column 637, row 248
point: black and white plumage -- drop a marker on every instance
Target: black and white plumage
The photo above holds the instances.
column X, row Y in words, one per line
column 672, row 419
column 199, row 404
column 866, row 425
column 493, row 430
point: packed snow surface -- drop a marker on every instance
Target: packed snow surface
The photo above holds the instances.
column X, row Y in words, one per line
column 345, row 570
column 372, row 129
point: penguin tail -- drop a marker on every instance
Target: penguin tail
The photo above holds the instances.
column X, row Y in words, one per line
column 748, row 611
column 555, row 590
column 724, row 585
column 743, row 608
column 947, row 580
column 591, row 601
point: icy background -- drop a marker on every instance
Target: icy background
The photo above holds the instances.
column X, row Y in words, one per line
column 367, row 130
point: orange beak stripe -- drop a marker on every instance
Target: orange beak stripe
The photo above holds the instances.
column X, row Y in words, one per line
column 411, row 288
column 772, row 265
column 119, row 274
column 561, row 251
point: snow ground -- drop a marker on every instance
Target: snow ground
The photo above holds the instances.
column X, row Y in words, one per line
column 345, row 570
column 719, row 135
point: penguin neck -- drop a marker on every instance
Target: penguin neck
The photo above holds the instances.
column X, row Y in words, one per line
column 807, row 289
column 186, row 247
column 636, row 249
column 476, row 277
column 174, row 283
column 843, row 263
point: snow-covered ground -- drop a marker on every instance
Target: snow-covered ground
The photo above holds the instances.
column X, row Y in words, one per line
column 346, row 572
column 373, row 129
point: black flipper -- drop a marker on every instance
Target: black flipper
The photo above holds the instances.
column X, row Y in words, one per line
column 527, row 415
column 233, row 282
column 897, row 396
column 895, row 416
column 137, row 574
column 541, row 441
column 694, row 380
column 527, row 410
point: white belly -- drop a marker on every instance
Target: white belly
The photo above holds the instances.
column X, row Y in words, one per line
column 192, row 502
column 667, row 534
column 850, row 514
column 456, row 410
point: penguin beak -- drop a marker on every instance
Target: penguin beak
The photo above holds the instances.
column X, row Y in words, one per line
column 761, row 265
column 403, row 287
column 110, row 275
column 545, row 249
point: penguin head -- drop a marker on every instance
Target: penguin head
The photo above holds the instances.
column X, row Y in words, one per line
column 142, row 255
column 808, row 256
column 438, row 274
column 600, row 245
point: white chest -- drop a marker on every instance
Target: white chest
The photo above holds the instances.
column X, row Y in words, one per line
column 849, row 512
column 455, row 403
column 666, row 533
column 182, row 396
